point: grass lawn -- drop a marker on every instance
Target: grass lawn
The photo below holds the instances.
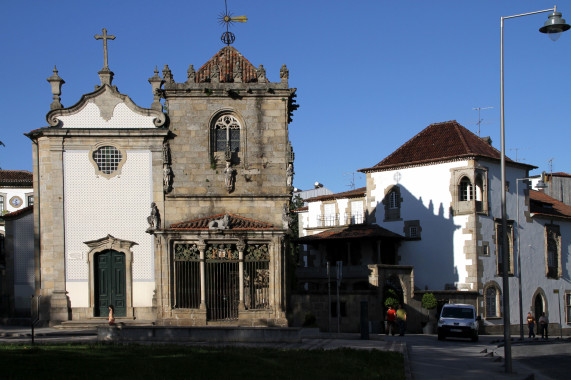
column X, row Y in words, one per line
column 110, row 361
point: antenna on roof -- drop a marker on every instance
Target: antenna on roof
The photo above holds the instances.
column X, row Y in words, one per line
column 352, row 180
column 479, row 122
column 516, row 150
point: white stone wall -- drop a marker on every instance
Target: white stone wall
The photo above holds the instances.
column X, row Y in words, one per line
column 95, row 207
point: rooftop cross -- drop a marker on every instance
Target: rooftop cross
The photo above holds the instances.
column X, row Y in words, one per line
column 104, row 37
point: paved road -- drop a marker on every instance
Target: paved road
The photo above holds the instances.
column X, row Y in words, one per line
column 427, row 357
column 459, row 358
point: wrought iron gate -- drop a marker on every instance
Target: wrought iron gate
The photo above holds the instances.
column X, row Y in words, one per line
column 186, row 276
column 222, row 282
column 256, row 276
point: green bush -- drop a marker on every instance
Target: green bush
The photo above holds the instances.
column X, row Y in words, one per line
column 429, row 301
column 390, row 301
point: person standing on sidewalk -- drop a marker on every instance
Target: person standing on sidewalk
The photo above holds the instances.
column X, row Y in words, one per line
column 401, row 319
column 543, row 324
column 530, row 325
column 391, row 316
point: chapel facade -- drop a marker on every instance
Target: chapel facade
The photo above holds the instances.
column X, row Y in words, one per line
column 175, row 214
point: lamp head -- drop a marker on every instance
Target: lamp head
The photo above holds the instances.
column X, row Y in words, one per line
column 554, row 26
column 541, row 183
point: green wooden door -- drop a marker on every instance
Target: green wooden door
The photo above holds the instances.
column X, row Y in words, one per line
column 110, row 283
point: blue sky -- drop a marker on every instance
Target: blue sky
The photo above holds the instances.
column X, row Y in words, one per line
column 370, row 74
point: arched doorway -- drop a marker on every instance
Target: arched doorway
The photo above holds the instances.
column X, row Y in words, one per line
column 110, row 283
column 538, row 306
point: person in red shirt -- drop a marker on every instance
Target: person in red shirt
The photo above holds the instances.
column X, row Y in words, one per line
column 391, row 317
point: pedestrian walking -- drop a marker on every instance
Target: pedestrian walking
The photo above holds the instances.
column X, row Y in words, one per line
column 543, row 325
column 530, row 325
column 391, row 316
column 401, row 319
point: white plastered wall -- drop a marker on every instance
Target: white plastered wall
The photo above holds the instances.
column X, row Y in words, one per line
column 96, row 207
column 438, row 257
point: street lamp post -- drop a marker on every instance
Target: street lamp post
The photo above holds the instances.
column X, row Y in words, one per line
column 553, row 26
column 540, row 185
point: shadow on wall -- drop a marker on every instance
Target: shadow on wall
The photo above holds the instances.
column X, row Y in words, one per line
column 432, row 254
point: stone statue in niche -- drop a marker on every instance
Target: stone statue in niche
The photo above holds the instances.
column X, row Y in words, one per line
column 286, row 218
column 166, row 153
column 229, row 177
column 154, row 219
column 220, row 224
column 167, row 179
column 290, row 173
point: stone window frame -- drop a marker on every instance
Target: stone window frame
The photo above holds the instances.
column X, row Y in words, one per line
column 497, row 239
column 553, row 272
column 497, row 301
column 101, row 144
column 392, row 211
column 354, row 218
column 218, row 157
column 484, row 249
column 407, row 229
column 478, row 194
column 322, row 218
column 28, row 195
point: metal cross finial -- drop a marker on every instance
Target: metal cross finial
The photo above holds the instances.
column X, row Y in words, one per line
column 104, row 37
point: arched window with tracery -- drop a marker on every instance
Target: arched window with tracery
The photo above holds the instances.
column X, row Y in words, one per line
column 226, row 133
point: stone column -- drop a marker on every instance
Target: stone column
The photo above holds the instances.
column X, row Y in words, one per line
column 201, row 248
column 241, row 246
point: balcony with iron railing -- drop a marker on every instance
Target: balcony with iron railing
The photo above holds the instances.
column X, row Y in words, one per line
column 334, row 220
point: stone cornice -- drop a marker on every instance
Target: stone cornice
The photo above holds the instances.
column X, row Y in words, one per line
column 98, row 133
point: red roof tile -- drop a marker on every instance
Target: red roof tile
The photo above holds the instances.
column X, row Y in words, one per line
column 235, row 223
column 543, row 205
column 356, row 231
column 440, row 142
column 16, row 178
column 360, row 192
column 20, row 212
column 226, row 58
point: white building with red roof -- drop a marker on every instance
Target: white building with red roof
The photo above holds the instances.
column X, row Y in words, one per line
column 440, row 193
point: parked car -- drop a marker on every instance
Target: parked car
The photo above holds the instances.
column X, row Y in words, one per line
column 458, row 320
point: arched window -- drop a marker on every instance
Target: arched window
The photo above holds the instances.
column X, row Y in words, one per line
column 392, row 203
column 466, row 189
column 492, row 302
column 226, row 134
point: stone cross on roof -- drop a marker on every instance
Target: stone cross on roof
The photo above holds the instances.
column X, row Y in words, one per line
column 104, row 37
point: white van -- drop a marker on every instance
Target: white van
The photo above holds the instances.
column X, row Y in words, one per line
column 458, row 320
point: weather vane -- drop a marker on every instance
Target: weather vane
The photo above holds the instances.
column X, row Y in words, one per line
column 226, row 18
